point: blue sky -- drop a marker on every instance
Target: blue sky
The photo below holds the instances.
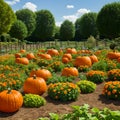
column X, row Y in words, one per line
column 61, row 9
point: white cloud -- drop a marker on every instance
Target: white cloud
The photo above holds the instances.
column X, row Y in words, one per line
column 30, row 6
column 79, row 13
column 12, row 2
column 58, row 23
column 70, row 6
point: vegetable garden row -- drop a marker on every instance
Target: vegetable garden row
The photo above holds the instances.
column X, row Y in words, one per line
column 63, row 74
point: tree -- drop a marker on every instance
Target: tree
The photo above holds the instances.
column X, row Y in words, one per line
column 86, row 25
column 18, row 30
column 57, row 32
column 108, row 20
column 7, row 17
column 28, row 17
column 67, row 30
column 45, row 24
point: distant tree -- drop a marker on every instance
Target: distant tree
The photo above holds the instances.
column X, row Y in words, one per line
column 45, row 24
column 28, row 17
column 67, row 30
column 57, row 32
column 86, row 25
column 7, row 17
column 108, row 20
column 18, row 30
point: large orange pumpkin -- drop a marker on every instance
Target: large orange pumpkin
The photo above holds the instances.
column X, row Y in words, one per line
column 113, row 55
column 10, row 101
column 43, row 73
column 22, row 60
column 35, row 85
column 82, row 60
column 70, row 71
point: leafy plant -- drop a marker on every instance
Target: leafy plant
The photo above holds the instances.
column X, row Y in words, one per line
column 96, row 76
column 86, row 86
column 33, row 100
column 63, row 91
column 112, row 90
column 56, row 78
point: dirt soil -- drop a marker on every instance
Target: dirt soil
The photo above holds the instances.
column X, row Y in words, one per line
column 93, row 99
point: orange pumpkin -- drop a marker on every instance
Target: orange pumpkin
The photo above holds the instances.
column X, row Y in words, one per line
column 82, row 60
column 10, row 101
column 45, row 56
column 93, row 58
column 17, row 55
column 70, row 71
column 22, row 51
column 35, row 85
column 30, row 56
column 68, row 55
column 22, row 60
column 53, row 52
column 43, row 73
column 113, row 55
column 65, row 60
column 71, row 51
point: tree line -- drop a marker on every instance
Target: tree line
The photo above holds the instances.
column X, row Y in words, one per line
column 40, row 25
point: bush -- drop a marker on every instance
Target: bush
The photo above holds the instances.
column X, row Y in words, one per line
column 112, row 90
column 63, row 91
column 86, row 86
column 96, row 76
column 32, row 100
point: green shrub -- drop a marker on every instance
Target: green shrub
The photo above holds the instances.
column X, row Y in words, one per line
column 32, row 100
column 86, row 86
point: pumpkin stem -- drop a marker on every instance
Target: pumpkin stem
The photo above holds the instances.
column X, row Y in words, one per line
column 9, row 91
column 34, row 76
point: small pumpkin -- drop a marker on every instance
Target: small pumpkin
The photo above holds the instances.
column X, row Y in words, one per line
column 82, row 60
column 22, row 51
column 22, row 60
column 68, row 55
column 17, row 55
column 10, row 101
column 71, row 51
column 65, row 60
column 30, row 56
column 45, row 56
column 113, row 55
column 70, row 71
column 93, row 58
column 53, row 52
column 43, row 73
column 35, row 85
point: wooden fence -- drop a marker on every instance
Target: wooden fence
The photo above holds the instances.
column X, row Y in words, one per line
column 12, row 47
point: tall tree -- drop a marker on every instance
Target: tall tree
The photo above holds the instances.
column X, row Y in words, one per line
column 45, row 24
column 108, row 20
column 86, row 25
column 7, row 17
column 67, row 30
column 28, row 17
column 18, row 30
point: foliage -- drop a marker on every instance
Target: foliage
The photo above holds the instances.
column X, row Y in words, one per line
column 109, row 26
column 86, row 25
column 56, row 78
column 84, row 112
column 86, row 86
column 28, row 18
column 96, row 76
column 7, row 17
column 5, row 38
column 67, row 30
column 45, row 24
column 83, row 68
column 11, row 76
column 33, row 100
column 63, row 91
column 114, row 74
column 112, row 90
column 18, row 30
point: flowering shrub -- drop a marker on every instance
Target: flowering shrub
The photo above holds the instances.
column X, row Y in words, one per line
column 112, row 90
column 83, row 68
column 86, row 86
column 11, row 76
column 63, row 91
column 32, row 100
column 114, row 74
column 96, row 76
